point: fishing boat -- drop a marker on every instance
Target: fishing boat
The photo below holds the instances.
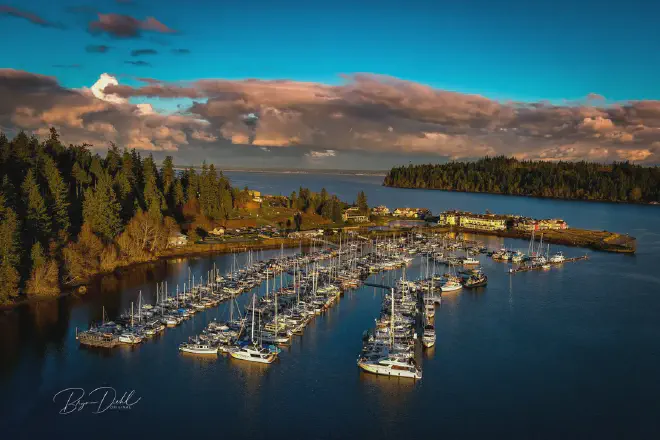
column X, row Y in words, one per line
column 197, row 347
column 476, row 280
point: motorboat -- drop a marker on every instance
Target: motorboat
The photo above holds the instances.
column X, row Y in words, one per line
column 391, row 366
column 129, row 338
column 198, row 348
column 253, row 353
column 428, row 338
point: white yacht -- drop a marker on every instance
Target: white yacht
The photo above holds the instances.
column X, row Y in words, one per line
column 469, row 261
column 557, row 258
column 391, row 366
column 129, row 338
column 253, row 353
column 451, row 286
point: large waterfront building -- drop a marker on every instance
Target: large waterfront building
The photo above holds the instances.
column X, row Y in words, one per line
column 483, row 222
column 497, row 222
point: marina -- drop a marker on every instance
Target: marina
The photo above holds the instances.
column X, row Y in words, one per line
column 491, row 342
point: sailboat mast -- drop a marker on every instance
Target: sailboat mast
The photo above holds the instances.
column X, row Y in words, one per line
column 253, row 307
column 392, row 319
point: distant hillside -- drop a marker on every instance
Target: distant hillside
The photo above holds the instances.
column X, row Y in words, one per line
column 617, row 182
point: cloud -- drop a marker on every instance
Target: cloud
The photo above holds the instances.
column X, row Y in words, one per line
column 98, row 89
column 36, row 102
column 597, row 124
column 367, row 116
column 141, row 52
column 180, row 51
column 379, row 113
column 125, row 26
column 138, row 63
column 97, row 48
column 29, row 16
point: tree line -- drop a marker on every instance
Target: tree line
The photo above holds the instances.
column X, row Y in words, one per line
column 67, row 213
column 616, row 182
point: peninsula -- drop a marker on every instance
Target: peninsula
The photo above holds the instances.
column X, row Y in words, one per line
column 617, row 182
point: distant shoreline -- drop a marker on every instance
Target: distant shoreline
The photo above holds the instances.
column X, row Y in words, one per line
column 616, row 202
column 379, row 173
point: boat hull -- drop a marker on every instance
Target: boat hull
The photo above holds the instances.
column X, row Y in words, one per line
column 386, row 371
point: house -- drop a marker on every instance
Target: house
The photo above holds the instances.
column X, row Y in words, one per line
column 526, row 224
column 381, row 210
column 256, row 195
column 178, row 239
column 355, row 215
column 411, row 212
column 218, row 230
column 552, row 223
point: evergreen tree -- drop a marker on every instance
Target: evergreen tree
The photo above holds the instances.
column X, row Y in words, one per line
column 362, row 202
column 153, row 197
column 9, row 255
column 168, row 175
column 101, row 210
column 58, row 205
column 37, row 221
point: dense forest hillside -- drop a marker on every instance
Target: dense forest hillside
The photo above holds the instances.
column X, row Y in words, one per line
column 617, row 182
column 67, row 213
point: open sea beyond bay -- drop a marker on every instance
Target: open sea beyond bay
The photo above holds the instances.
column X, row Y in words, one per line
column 573, row 352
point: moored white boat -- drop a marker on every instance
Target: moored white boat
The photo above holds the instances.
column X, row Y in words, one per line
column 198, row 348
column 253, row 353
column 391, row 366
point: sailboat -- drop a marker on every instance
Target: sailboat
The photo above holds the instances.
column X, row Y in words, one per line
column 129, row 336
column 253, row 352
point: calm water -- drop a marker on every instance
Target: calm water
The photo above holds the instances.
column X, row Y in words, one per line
column 571, row 353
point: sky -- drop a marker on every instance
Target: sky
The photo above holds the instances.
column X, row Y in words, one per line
column 342, row 84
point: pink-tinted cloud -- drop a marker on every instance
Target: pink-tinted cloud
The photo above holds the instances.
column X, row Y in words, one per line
column 29, row 16
column 125, row 26
column 367, row 115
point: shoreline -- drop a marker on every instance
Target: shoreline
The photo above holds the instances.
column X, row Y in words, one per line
column 573, row 237
column 525, row 195
column 190, row 251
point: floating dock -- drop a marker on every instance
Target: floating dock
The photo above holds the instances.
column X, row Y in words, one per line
column 540, row 266
column 95, row 339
